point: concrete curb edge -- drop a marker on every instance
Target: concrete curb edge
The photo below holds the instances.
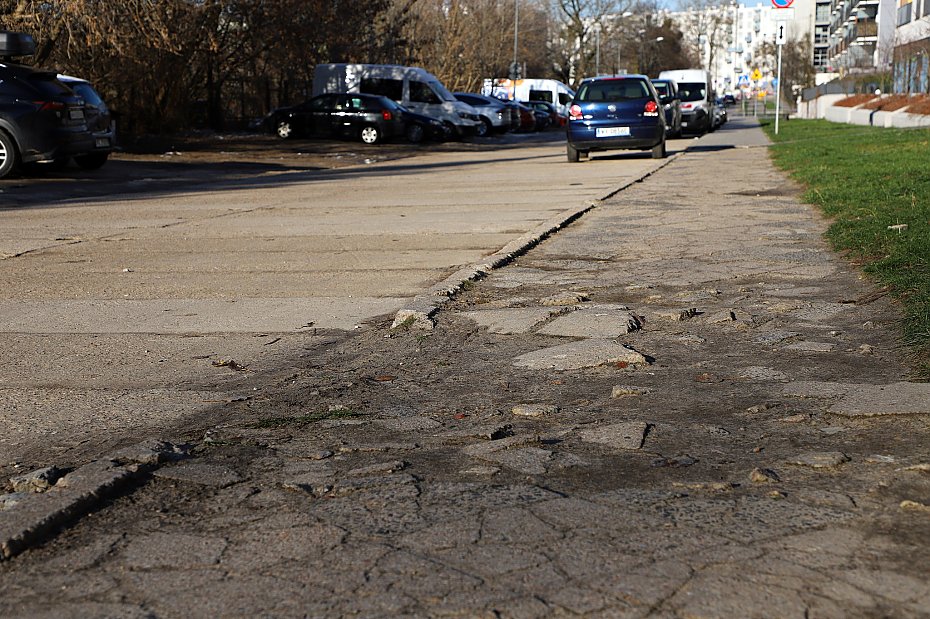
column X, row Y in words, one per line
column 420, row 311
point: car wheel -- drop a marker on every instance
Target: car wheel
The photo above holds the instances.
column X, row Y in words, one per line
column 484, row 129
column 414, row 133
column 284, row 129
column 8, row 155
column 370, row 134
column 572, row 152
column 92, row 161
column 658, row 151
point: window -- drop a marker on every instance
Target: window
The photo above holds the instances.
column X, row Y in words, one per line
column 692, row 91
column 420, row 92
column 540, row 95
column 564, row 98
column 392, row 89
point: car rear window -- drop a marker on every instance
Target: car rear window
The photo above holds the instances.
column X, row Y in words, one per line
column 47, row 84
column 692, row 91
column 613, row 90
column 661, row 88
column 89, row 95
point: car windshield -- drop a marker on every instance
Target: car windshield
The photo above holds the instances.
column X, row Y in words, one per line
column 440, row 90
column 613, row 90
column 692, row 91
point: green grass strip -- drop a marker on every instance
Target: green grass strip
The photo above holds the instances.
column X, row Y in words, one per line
column 866, row 179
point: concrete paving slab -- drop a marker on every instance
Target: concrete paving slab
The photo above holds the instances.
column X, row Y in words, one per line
column 511, row 321
column 594, row 321
column 587, row 353
column 903, row 398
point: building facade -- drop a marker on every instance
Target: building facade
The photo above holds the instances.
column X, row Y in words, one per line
column 911, row 55
column 861, row 36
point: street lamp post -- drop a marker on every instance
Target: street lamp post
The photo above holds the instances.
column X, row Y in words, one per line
column 515, row 68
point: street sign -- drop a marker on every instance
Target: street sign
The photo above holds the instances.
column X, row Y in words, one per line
column 781, row 30
column 781, row 4
column 743, row 80
column 756, row 75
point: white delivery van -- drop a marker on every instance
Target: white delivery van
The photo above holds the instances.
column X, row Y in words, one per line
column 412, row 87
column 553, row 91
column 697, row 98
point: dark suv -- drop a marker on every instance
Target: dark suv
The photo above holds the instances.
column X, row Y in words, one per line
column 41, row 119
column 610, row 113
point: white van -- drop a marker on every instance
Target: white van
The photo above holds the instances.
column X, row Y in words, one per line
column 412, row 87
column 553, row 91
column 697, row 98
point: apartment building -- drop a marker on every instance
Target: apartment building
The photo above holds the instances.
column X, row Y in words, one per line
column 861, row 36
column 911, row 55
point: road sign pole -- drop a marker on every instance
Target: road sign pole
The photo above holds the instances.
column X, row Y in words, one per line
column 778, row 91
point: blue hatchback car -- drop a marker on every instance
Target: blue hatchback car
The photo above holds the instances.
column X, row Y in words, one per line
column 610, row 113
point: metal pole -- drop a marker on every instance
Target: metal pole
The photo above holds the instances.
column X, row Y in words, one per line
column 597, row 51
column 516, row 23
column 778, row 90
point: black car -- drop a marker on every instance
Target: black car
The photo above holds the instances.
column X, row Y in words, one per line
column 41, row 119
column 671, row 103
column 420, row 127
column 370, row 118
column 100, row 120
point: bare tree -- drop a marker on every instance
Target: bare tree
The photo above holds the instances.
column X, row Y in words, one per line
column 705, row 28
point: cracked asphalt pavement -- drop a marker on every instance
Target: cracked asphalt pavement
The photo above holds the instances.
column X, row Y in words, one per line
column 680, row 405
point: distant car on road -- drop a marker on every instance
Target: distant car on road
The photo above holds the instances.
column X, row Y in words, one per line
column 610, row 113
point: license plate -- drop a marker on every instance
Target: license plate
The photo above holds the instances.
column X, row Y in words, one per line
column 102, row 142
column 76, row 114
column 611, row 132
column 684, row 124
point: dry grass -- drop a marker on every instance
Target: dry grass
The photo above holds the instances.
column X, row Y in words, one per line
column 854, row 100
column 889, row 103
column 920, row 105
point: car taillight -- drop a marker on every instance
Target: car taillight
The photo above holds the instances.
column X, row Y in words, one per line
column 575, row 112
column 651, row 107
column 386, row 114
column 50, row 106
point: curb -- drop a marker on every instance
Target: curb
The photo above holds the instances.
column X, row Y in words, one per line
column 37, row 516
column 419, row 312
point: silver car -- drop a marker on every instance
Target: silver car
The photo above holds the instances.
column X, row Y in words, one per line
column 495, row 115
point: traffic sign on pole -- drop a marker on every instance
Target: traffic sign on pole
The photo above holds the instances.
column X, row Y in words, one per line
column 781, row 4
column 781, row 30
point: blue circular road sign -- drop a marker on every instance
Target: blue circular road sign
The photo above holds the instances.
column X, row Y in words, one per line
column 782, row 4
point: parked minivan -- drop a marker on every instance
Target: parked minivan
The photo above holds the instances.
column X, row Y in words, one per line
column 412, row 87
column 697, row 98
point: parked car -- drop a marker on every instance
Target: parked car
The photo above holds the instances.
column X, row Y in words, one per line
column 420, row 127
column 528, row 117
column 413, row 87
column 370, row 118
column 697, row 98
column 621, row 112
column 100, row 120
column 549, row 109
column 41, row 119
column 671, row 102
column 720, row 113
column 729, row 99
column 493, row 113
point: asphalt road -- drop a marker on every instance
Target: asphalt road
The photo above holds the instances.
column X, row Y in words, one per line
column 134, row 296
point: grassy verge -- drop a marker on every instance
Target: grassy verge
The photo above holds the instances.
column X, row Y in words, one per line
column 870, row 181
